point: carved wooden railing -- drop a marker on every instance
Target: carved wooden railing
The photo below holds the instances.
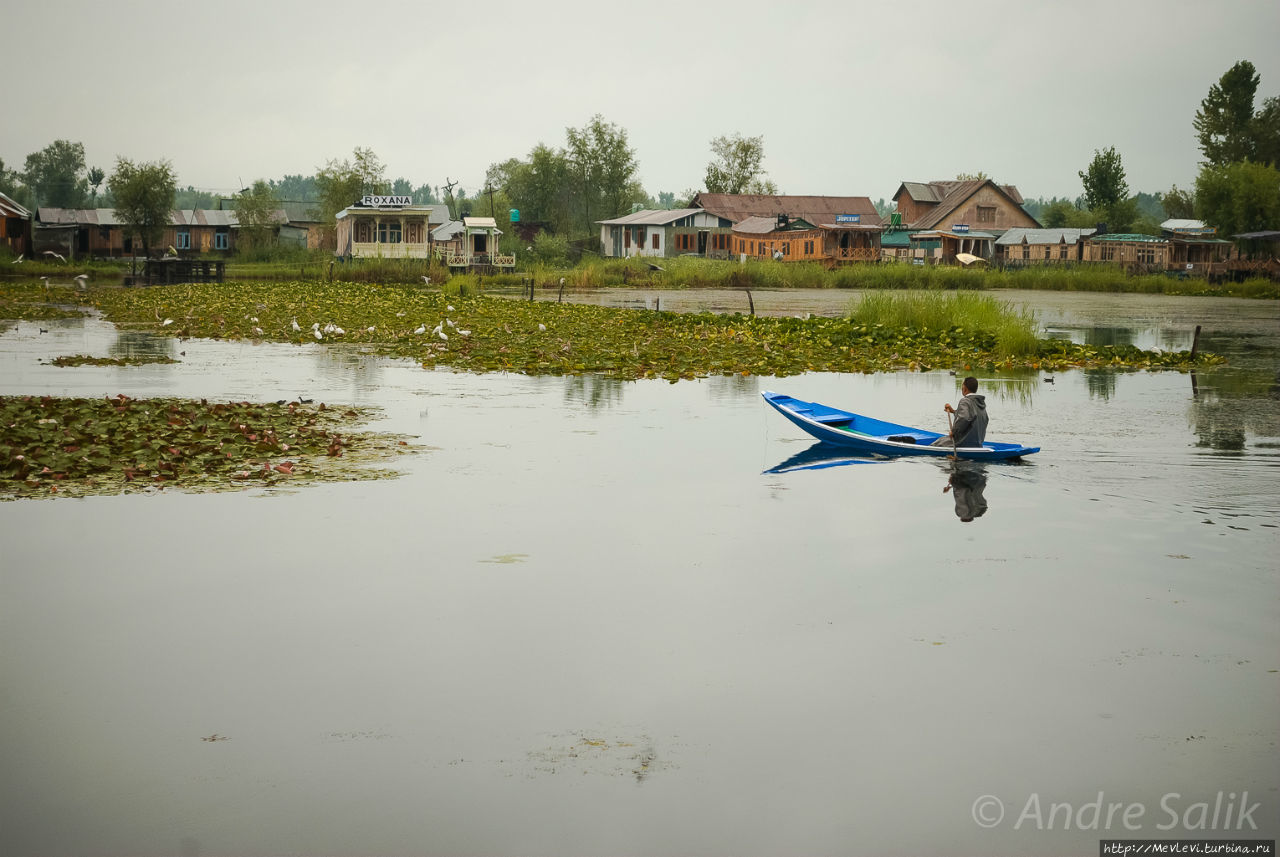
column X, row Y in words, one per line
column 858, row 254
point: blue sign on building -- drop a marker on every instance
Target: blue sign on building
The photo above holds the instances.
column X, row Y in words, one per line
column 960, row 227
column 848, row 218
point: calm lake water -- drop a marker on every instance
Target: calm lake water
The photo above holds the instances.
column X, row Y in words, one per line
column 649, row 618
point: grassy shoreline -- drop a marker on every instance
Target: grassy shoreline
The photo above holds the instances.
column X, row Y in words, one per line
column 689, row 272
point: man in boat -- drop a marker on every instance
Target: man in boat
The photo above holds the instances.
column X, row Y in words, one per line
column 970, row 426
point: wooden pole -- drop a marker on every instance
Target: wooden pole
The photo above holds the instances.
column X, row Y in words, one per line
column 1195, row 342
column 751, row 302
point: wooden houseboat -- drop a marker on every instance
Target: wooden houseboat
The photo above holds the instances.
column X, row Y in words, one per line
column 1022, row 246
column 387, row 227
column 1133, row 251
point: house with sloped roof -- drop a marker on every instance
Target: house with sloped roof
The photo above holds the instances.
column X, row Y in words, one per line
column 102, row 232
column 979, row 204
column 15, row 226
column 782, row 238
column 665, row 232
column 1022, row 246
column 1133, row 251
column 1194, row 245
column 850, row 225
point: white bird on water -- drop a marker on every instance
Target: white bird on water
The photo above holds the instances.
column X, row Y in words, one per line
column 19, row 259
column 542, row 327
column 166, row 322
column 82, row 280
column 449, row 307
column 422, row 328
column 57, row 256
column 295, row 325
column 426, row 280
column 444, row 336
column 318, row 334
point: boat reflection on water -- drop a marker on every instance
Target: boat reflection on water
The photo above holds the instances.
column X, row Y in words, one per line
column 966, row 482
column 822, row 455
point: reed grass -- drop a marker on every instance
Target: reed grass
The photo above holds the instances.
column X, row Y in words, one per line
column 962, row 314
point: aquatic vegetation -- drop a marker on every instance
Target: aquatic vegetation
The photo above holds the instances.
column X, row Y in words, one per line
column 951, row 315
column 87, row 360
column 52, row 446
column 493, row 334
column 31, row 300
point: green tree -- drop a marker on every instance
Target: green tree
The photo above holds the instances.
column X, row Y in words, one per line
column 604, row 166
column 342, row 183
column 11, row 184
column 1104, row 183
column 296, row 188
column 972, row 177
column 551, row 249
column 1178, row 203
column 56, row 174
column 736, row 167
column 143, row 196
column 95, row 178
column 1239, row 197
column 1224, row 121
column 1266, row 132
column 256, row 214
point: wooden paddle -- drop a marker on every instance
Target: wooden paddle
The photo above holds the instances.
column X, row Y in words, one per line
column 951, row 428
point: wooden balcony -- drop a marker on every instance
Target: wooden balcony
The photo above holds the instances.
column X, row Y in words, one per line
column 857, row 254
column 389, row 251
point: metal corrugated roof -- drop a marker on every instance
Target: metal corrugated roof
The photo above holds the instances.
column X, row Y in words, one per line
column 1184, row 225
column 479, row 223
column 1130, row 237
column 447, row 231
column 948, row 233
column 10, row 208
column 650, row 217
column 765, row 225
column 1020, row 234
column 922, row 192
column 815, row 209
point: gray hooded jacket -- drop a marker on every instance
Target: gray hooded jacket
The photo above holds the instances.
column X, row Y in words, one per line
column 971, row 420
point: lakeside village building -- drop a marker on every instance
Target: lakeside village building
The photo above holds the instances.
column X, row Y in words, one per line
column 394, row 227
column 935, row 223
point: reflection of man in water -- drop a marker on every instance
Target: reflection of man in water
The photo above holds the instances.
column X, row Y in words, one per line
column 967, row 486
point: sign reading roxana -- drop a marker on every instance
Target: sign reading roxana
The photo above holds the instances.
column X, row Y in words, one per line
column 386, row 201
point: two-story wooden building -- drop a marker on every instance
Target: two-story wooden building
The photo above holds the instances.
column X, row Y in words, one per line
column 980, row 203
column 15, row 226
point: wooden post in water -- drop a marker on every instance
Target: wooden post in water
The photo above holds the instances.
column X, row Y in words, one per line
column 1195, row 342
column 751, row 302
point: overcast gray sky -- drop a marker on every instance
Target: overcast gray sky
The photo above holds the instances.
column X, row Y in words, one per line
column 851, row 97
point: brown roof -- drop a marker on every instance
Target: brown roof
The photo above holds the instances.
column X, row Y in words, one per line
column 951, row 195
column 815, row 209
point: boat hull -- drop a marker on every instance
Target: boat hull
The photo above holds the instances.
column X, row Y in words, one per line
column 865, row 434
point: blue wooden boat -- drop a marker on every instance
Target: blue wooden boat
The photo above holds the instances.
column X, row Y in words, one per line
column 864, row 434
